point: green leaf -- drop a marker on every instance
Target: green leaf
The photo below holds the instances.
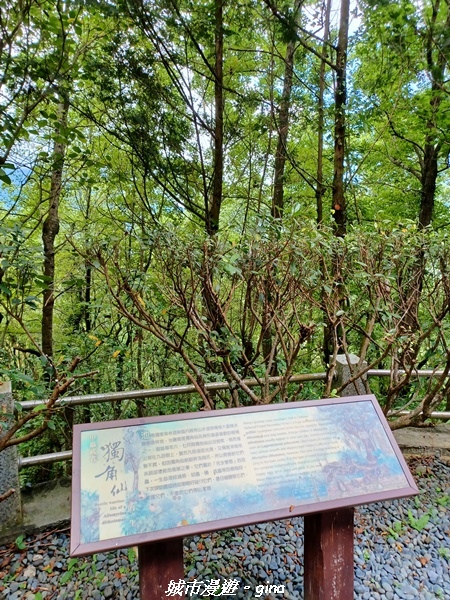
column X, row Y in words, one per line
column 4, row 177
column 5, row 289
column 23, row 377
column 131, row 555
column 20, row 544
column 65, row 577
column 232, row 270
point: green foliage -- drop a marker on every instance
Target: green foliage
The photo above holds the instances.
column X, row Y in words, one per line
column 444, row 500
column 20, row 543
column 395, row 530
column 418, row 523
column 141, row 292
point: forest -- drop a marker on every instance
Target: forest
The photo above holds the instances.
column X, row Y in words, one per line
column 213, row 190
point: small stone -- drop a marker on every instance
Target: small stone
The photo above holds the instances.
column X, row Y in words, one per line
column 15, row 566
column 29, row 572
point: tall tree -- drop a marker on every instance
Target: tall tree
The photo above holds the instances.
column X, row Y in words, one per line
column 283, row 117
column 50, row 227
column 340, row 100
column 409, row 94
column 437, row 42
column 320, row 184
column 154, row 80
column 213, row 211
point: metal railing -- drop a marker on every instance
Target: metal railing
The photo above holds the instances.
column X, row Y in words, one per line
column 187, row 389
column 166, row 391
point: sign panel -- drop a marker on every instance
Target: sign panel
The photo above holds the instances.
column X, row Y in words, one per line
column 147, row 479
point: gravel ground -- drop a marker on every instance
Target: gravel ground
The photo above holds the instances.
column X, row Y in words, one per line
column 402, row 552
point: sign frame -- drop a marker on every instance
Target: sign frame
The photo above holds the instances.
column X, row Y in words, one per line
column 77, row 548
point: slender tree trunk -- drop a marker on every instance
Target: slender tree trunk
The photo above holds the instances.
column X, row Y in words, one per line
column 437, row 64
column 278, row 188
column 332, row 339
column 428, row 183
column 320, row 189
column 86, row 409
column 87, row 275
column 338, row 201
column 50, row 230
column 211, row 312
column 86, row 314
column 431, row 150
column 283, row 124
column 212, row 224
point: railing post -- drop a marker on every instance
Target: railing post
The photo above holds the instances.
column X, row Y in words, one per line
column 11, row 507
column 346, row 366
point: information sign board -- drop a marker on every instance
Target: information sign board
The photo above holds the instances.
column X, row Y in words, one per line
column 149, row 479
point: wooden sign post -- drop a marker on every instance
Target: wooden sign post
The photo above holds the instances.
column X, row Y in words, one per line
column 159, row 563
column 328, row 567
column 150, row 482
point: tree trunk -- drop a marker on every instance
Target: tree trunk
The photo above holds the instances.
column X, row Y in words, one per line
column 428, row 183
column 283, row 124
column 431, row 150
column 338, row 201
column 327, row 345
column 278, row 188
column 437, row 64
column 320, row 188
column 50, row 231
column 212, row 218
column 87, row 275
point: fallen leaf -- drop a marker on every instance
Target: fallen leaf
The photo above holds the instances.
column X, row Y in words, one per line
column 6, row 561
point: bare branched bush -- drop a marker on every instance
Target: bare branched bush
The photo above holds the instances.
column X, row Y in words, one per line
column 257, row 307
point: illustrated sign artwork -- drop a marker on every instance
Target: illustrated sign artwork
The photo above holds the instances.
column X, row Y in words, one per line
column 171, row 476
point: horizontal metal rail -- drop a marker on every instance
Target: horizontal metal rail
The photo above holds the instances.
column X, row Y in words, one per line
column 30, row 461
column 42, row 459
column 441, row 416
column 166, row 391
column 190, row 389
column 387, row 373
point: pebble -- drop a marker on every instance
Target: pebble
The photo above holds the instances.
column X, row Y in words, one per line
column 394, row 558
